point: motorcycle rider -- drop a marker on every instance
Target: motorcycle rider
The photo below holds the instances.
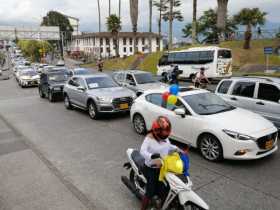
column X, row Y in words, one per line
column 200, row 78
column 174, row 75
column 156, row 145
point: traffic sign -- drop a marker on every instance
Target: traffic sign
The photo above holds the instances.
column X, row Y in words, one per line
column 268, row 50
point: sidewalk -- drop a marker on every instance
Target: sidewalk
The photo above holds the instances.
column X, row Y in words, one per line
column 25, row 181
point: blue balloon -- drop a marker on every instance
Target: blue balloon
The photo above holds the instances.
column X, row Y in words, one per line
column 174, row 89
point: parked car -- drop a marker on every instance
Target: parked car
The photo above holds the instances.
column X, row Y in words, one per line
column 52, row 83
column 97, row 94
column 28, row 78
column 138, row 81
column 258, row 94
column 205, row 121
column 79, row 71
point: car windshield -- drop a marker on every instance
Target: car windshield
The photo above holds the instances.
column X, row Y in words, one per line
column 144, row 78
column 28, row 73
column 100, row 82
column 207, row 103
column 58, row 77
column 81, row 71
column 224, row 54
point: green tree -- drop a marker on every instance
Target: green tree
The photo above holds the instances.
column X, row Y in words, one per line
column 207, row 28
column 34, row 49
column 222, row 16
column 114, row 26
column 134, row 12
column 54, row 18
column 172, row 13
column 250, row 18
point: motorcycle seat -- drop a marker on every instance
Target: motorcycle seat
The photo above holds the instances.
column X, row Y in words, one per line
column 138, row 159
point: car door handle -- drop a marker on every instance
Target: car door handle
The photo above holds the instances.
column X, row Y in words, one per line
column 233, row 99
column 260, row 103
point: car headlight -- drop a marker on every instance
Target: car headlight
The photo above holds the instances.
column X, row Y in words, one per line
column 103, row 99
column 238, row 136
column 134, row 96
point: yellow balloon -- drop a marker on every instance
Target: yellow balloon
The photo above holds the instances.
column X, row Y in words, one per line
column 172, row 99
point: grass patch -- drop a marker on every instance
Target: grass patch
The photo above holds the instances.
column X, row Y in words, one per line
column 115, row 64
column 254, row 55
column 150, row 62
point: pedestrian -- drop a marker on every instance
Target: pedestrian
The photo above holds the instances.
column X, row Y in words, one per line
column 100, row 65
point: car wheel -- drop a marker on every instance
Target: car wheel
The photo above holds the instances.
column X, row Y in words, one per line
column 42, row 95
column 210, row 148
column 50, row 96
column 67, row 102
column 139, row 124
column 92, row 110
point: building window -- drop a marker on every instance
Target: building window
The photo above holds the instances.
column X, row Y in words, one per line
column 101, row 49
column 107, row 41
column 101, row 41
column 130, row 41
column 108, row 49
column 124, row 41
column 158, row 41
column 124, row 49
column 143, row 49
column 131, row 49
column 143, row 41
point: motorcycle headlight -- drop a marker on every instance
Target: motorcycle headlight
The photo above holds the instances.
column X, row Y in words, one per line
column 134, row 96
column 238, row 136
column 103, row 99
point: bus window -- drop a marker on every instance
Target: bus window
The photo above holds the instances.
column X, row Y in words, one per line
column 224, row 54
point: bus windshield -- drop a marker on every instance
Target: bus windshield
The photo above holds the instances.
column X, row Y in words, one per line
column 224, row 54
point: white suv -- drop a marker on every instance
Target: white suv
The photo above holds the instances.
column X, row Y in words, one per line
column 258, row 94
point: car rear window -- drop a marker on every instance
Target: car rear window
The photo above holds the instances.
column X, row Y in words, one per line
column 245, row 89
column 224, row 86
column 268, row 92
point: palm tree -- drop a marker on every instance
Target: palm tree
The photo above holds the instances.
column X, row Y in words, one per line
column 222, row 16
column 170, row 18
column 99, row 26
column 161, row 6
column 114, row 26
column 194, row 23
column 150, row 24
column 250, row 18
column 134, row 19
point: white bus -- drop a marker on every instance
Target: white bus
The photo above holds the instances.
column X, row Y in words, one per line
column 216, row 61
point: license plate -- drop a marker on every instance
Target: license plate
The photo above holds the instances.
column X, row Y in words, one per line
column 269, row 144
column 123, row 106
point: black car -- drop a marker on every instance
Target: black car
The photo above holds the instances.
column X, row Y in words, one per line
column 52, row 83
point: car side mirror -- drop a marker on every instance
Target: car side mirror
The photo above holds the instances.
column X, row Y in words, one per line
column 132, row 83
column 180, row 112
column 81, row 88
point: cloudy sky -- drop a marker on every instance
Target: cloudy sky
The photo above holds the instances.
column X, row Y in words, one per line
column 30, row 12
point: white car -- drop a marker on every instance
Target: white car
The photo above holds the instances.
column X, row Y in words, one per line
column 28, row 77
column 205, row 121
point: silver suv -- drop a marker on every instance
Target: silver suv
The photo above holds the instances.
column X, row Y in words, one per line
column 97, row 94
column 138, row 81
column 259, row 94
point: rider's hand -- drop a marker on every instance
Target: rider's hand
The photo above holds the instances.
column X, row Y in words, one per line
column 157, row 163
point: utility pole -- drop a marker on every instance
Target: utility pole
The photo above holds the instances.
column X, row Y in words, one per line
column 150, row 24
column 120, row 4
column 194, row 22
column 109, row 7
column 99, row 26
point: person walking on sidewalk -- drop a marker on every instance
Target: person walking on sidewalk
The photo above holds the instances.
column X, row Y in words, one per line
column 100, row 65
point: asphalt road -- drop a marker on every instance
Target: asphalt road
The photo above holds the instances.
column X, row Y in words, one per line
column 83, row 161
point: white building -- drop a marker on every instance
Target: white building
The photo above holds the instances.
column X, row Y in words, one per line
column 93, row 43
column 75, row 23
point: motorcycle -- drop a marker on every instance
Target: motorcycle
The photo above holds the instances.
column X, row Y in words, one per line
column 179, row 195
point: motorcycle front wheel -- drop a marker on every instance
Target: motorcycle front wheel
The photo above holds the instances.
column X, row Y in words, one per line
column 191, row 206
